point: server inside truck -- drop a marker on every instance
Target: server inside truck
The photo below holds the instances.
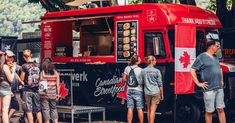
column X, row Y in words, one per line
column 97, row 36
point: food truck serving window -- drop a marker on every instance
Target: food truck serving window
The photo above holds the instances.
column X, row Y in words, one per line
column 79, row 40
column 97, row 37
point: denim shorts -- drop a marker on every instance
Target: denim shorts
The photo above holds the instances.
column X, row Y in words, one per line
column 135, row 97
column 214, row 98
column 4, row 93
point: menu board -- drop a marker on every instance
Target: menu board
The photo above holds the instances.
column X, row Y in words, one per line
column 127, row 39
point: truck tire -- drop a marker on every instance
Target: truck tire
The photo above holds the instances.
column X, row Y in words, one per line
column 187, row 112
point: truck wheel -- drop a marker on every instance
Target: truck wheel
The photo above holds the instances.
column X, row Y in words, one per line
column 187, row 112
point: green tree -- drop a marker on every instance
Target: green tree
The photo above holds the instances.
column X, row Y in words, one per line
column 52, row 5
column 14, row 12
column 225, row 10
column 157, row 1
column 189, row 2
column 212, row 5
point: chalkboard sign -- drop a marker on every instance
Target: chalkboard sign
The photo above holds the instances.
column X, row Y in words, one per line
column 127, row 39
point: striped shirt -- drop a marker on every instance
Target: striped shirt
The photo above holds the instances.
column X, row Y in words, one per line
column 51, row 85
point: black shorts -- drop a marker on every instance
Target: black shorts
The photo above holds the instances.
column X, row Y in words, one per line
column 14, row 103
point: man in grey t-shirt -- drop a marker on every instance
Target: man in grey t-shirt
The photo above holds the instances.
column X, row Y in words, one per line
column 212, row 81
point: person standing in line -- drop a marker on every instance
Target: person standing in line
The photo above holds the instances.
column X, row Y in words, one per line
column 14, row 105
column 153, row 87
column 134, row 94
column 212, row 83
column 1, row 64
column 6, row 79
column 49, row 99
column 30, row 74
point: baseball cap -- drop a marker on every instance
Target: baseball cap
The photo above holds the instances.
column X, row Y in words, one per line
column 9, row 53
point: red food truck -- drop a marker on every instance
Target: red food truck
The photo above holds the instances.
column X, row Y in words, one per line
column 109, row 36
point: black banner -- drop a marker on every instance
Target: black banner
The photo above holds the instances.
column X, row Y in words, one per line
column 8, row 43
column 66, row 94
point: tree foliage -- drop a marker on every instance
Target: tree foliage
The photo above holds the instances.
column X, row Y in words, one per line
column 212, row 5
column 52, row 5
column 14, row 12
column 189, row 2
column 157, row 1
column 225, row 11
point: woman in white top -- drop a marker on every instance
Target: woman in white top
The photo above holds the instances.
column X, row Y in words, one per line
column 134, row 93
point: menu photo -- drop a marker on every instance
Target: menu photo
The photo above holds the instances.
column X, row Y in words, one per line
column 127, row 39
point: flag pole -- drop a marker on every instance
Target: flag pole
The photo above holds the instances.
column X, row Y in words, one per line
column 175, row 100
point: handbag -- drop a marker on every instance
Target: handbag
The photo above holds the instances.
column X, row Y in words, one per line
column 42, row 87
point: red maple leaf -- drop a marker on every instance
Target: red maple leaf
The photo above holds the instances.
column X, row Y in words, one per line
column 122, row 94
column 185, row 59
column 63, row 90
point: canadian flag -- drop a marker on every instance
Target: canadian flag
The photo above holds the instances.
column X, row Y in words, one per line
column 185, row 54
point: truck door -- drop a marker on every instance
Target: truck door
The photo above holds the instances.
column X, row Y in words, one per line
column 154, row 44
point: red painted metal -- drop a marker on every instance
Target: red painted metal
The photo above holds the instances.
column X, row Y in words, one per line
column 166, row 14
column 150, row 17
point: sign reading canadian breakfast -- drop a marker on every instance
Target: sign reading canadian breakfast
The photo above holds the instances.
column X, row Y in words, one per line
column 127, row 39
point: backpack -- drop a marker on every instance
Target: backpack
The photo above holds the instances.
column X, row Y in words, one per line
column 131, row 79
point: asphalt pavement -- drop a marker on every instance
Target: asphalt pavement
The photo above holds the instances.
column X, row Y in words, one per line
column 116, row 117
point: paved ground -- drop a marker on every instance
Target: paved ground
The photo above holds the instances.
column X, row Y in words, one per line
column 96, row 118
column 115, row 118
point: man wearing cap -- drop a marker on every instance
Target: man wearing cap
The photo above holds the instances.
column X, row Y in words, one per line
column 208, row 65
column 30, row 74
